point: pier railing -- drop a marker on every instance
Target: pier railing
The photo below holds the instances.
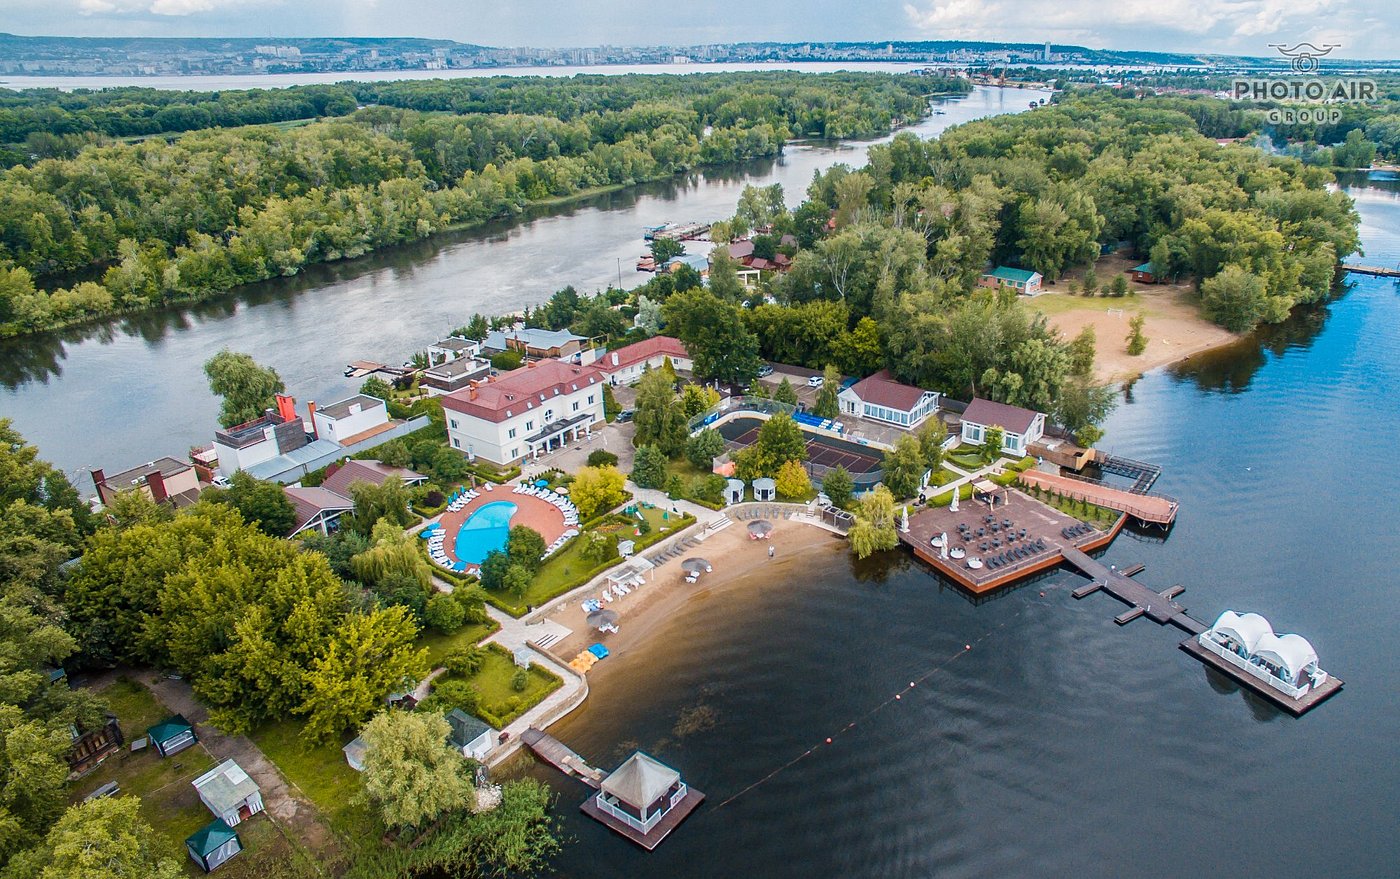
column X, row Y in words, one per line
column 1253, row 670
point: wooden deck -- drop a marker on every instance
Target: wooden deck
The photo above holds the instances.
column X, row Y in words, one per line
column 650, row 840
column 1039, row 520
column 1156, row 606
column 1151, row 508
column 561, row 757
column 1373, row 271
column 1295, row 707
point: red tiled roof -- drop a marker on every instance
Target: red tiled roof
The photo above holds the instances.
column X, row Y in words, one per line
column 992, row 414
column 372, row 472
column 638, row 352
column 882, row 390
column 741, row 249
column 520, row 391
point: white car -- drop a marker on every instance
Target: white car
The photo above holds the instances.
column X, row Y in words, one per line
column 816, row 381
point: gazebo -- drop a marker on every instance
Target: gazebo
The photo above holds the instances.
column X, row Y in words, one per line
column 765, row 489
column 733, row 491
column 229, row 792
column 213, row 844
column 643, row 800
column 172, row 735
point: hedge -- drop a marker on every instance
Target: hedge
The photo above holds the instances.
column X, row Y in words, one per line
column 946, row 498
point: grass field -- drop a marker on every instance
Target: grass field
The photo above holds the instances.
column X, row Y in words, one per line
column 440, row 645
column 499, row 699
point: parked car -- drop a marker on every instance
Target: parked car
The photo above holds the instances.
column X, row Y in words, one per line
column 816, row 381
column 625, row 415
column 765, row 370
column 220, row 482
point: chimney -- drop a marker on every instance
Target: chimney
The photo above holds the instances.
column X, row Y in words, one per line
column 471, row 394
column 286, row 407
column 311, row 413
column 99, row 479
column 530, row 364
column 156, row 483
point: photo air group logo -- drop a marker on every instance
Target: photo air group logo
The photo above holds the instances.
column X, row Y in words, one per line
column 1302, row 58
column 1305, row 86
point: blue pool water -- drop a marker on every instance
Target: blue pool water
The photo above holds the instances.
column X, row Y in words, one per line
column 486, row 530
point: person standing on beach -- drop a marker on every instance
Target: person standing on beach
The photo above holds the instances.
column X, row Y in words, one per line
column 771, row 550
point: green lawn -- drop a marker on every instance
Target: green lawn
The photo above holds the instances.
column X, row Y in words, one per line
column 500, row 703
column 440, row 645
column 325, row 778
column 1050, row 304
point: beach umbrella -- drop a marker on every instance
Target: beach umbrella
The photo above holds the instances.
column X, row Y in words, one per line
column 601, row 619
column 904, row 520
column 760, row 528
column 696, row 566
column 943, row 544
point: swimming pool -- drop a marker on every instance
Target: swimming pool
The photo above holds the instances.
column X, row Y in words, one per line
column 486, row 530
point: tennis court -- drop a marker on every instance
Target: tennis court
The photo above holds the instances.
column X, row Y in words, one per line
column 822, row 451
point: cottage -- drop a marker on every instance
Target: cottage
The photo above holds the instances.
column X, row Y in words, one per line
column 93, row 746
column 533, row 342
column 165, row 480
column 172, row 735
column 452, row 348
column 1143, row 274
column 213, row 844
column 1020, row 427
column 1023, row 281
column 880, row 398
column 278, row 432
column 339, row 479
column 626, row 365
column 697, row 261
column 229, row 792
column 453, row 375
column 350, row 420
column 317, row 508
column 470, row 736
column 525, row 413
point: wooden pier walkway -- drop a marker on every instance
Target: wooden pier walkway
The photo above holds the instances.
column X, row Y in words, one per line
column 1373, row 271
column 561, row 757
column 1154, row 509
column 1160, row 607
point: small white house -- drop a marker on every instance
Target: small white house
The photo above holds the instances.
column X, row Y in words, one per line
column 880, row 398
column 452, row 348
column 765, row 489
column 229, row 792
column 472, row 736
column 1020, row 427
column 733, row 491
column 344, row 421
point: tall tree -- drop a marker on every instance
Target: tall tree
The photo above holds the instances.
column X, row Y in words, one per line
column 874, row 529
column 715, row 335
column 411, row 774
column 247, row 388
column 596, row 490
column 827, row 404
column 904, row 466
column 104, row 837
column 660, row 422
column 262, row 504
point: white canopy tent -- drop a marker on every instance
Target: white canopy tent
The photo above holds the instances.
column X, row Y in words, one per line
column 1291, row 654
column 1245, row 629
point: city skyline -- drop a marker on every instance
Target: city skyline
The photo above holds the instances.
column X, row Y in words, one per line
column 1248, row 27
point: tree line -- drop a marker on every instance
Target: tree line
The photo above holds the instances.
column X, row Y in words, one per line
column 159, row 223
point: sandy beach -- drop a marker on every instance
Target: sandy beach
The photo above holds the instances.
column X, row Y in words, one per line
column 739, row 563
column 1174, row 328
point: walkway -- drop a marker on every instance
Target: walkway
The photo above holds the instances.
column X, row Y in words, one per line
column 1152, row 508
column 1157, row 606
column 514, row 634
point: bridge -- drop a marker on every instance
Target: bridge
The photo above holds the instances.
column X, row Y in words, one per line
column 1154, row 509
column 1373, row 271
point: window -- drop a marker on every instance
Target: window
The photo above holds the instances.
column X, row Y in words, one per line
column 456, row 443
column 510, row 434
column 575, row 406
column 529, row 425
column 454, row 424
column 515, row 453
column 590, row 399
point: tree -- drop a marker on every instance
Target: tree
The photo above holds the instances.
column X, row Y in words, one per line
column 262, row 504
column 599, row 547
column 412, row 775
column 1082, row 407
column 525, row 546
column 387, row 501
column 664, row 249
column 861, row 351
column 784, row 393
column 514, row 839
column 366, row 659
column 445, row 613
column 714, row 333
column 493, row 570
column 779, row 440
column 1081, row 352
column 660, row 422
column 596, row 490
column 1137, row 342
column 1235, row 298
column 375, row 386
column 247, row 388
column 991, row 444
column 838, row 486
column 696, row 399
column 792, row 481
column 1091, row 281
column 827, row 404
column 702, row 449
column 904, row 466
column 931, row 435
column 874, row 527
column 136, row 508
column 517, row 580
column 648, row 468
column 1119, row 286
column 104, row 837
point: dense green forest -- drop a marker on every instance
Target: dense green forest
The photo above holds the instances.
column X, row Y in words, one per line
column 157, row 223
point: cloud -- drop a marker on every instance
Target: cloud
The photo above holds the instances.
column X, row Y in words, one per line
column 181, row 7
column 166, row 8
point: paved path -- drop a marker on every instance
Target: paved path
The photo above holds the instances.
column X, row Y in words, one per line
column 516, row 633
column 283, row 800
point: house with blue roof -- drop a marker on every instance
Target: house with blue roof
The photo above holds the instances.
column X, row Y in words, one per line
column 1024, row 281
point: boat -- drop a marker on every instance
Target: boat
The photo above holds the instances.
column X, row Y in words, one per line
column 649, row 232
column 940, row 112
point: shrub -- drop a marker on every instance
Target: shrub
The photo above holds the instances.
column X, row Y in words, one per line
column 601, row 458
column 675, row 486
column 507, row 360
column 520, row 680
column 465, row 661
column 649, row 468
column 444, row 613
column 792, row 480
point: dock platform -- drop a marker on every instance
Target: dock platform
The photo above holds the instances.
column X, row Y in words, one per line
column 1160, row 607
column 652, row 838
column 1296, row 707
column 1373, row 271
column 561, row 757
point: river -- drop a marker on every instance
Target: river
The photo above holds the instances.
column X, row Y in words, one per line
column 1062, row 744
column 122, row 392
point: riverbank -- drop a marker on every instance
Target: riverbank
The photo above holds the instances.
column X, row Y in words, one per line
column 740, row 564
column 1173, row 324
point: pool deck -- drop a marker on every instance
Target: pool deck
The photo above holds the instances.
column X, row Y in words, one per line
column 531, row 511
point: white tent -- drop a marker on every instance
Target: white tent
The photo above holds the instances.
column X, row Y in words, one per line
column 1291, row 654
column 1245, row 629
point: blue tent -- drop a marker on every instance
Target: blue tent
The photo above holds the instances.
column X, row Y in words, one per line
column 599, row 651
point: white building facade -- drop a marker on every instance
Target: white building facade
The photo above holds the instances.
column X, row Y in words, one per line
column 1020, row 428
column 342, row 420
column 525, row 413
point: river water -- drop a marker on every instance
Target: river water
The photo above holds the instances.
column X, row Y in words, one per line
column 1062, row 744
column 126, row 391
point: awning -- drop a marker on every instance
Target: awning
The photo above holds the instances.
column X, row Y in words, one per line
column 554, row 428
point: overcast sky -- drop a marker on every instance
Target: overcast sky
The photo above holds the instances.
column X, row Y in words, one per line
column 1363, row 28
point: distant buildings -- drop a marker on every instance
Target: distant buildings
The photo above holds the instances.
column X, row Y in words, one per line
column 626, row 365
column 525, row 413
column 533, row 342
column 319, row 508
column 1020, row 427
column 164, row 480
column 452, row 375
column 1023, row 281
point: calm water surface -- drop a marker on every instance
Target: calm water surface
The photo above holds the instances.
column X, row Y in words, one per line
column 1062, row 744
column 130, row 390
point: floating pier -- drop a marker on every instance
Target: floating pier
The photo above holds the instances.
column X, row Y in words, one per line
column 1373, row 271
column 643, row 800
